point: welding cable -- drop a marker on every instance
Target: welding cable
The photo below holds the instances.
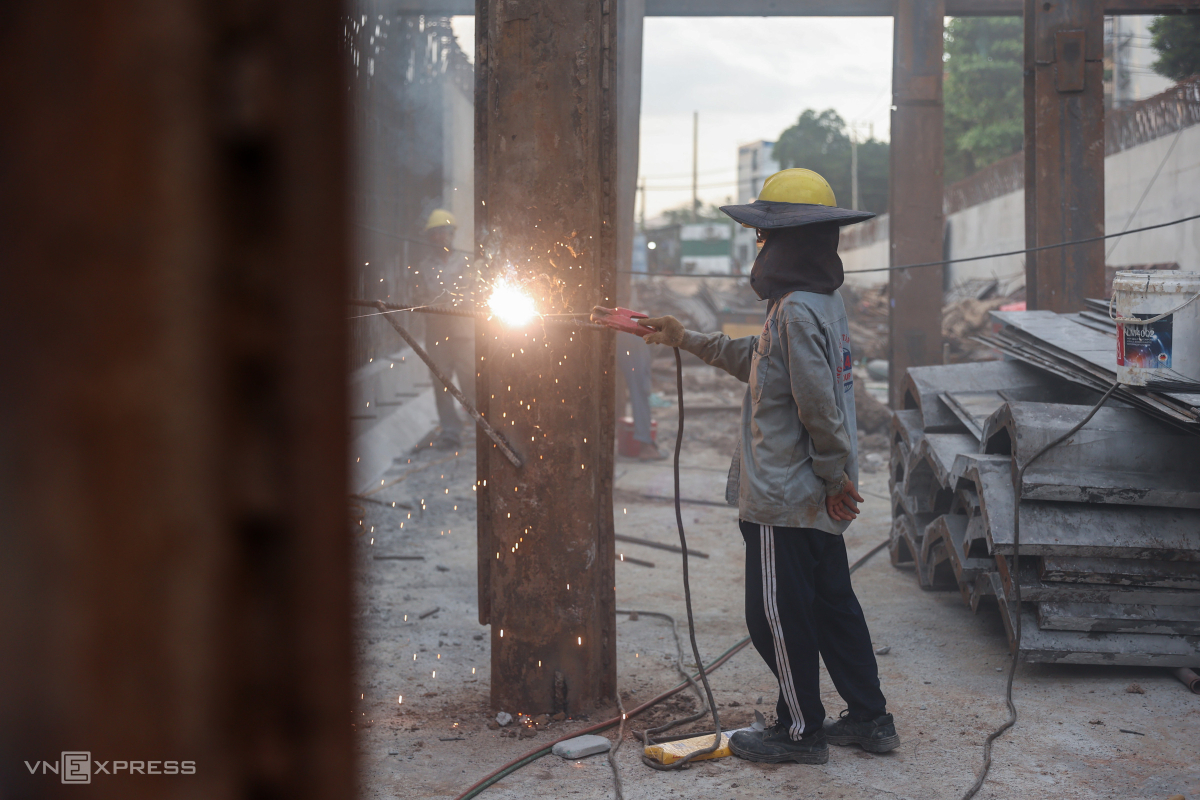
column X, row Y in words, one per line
column 644, row 736
column 943, row 262
column 616, row 746
column 1015, row 615
column 534, row 755
column 477, row 788
column 687, row 597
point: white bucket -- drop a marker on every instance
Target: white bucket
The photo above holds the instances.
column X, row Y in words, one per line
column 1167, row 347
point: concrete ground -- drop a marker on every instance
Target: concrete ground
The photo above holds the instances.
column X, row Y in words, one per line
column 944, row 675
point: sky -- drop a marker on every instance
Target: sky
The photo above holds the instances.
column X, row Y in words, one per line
column 749, row 78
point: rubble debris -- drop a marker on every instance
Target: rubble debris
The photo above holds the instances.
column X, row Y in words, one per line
column 883, row 651
column 581, row 747
column 1133, row 688
column 429, row 613
column 503, row 719
column 1110, row 519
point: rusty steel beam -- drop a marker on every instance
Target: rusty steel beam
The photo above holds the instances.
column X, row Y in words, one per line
column 812, row 8
column 915, row 190
column 1064, row 151
column 546, row 180
column 174, row 575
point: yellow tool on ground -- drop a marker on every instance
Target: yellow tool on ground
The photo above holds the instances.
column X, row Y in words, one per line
column 670, row 752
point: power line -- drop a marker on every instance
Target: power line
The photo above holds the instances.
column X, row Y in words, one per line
column 969, row 258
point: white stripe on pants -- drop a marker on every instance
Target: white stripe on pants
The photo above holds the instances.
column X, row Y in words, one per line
column 771, row 607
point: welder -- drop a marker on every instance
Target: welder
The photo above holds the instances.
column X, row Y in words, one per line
column 793, row 474
column 444, row 277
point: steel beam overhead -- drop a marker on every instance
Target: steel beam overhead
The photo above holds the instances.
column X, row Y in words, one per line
column 809, row 8
column 546, row 178
column 175, row 576
column 915, row 189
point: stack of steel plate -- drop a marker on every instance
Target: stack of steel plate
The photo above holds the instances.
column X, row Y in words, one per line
column 1109, row 520
column 1082, row 348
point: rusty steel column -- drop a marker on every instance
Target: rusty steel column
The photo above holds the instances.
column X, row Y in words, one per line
column 915, row 189
column 546, row 176
column 174, row 566
column 1064, row 146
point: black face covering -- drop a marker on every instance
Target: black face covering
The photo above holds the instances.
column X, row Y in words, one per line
column 800, row 259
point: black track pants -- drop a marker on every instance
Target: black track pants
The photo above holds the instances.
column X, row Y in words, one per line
column 799, row 602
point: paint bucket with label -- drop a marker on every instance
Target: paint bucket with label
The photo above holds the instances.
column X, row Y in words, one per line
column 1158, row 328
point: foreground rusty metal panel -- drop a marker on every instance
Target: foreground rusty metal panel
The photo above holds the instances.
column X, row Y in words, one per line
column 1064, row 151
column 174, row 567
column 546, row 173
column 915, row 188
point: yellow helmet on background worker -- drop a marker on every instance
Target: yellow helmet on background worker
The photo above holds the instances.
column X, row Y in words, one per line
column 440, row 218
column 794, row 197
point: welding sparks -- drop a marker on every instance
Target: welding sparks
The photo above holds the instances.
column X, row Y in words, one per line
column 511, row 304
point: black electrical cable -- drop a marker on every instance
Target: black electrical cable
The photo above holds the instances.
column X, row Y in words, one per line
column 1015, row 606
column 943, row 262
column 687, row 594
column 475, row 789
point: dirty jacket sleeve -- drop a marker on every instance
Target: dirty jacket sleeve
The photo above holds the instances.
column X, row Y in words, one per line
column 813, row 388
column 718, row 350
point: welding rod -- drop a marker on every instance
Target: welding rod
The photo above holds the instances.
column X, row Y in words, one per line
column 579, row 320
column 492, row 433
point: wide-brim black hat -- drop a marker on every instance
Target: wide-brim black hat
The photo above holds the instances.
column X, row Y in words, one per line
column 776, row 214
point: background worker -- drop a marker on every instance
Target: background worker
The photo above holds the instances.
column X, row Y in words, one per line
column 444, row 278
column 634, row 361
column 793, row 474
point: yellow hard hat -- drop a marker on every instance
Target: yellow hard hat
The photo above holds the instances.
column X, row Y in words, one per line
column 794, row 197
column 798, row 186
column 441, row 218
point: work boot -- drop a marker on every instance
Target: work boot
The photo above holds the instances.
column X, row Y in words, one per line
column 775, row 744
column 875, row 736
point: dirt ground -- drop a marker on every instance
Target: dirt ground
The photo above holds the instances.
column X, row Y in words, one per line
column 943, row 677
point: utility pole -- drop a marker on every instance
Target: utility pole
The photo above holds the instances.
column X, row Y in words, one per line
column 642, row 214
column 853, row 167
column 695, row 165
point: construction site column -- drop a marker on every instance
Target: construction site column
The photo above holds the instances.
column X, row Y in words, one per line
column 915, row 188
column 175, row 577
column 1064, row 151
column 630, row 17
column 546, row 202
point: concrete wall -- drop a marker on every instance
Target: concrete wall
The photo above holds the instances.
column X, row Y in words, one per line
column 1176, row 193
column 998, row 225
column 391, row 407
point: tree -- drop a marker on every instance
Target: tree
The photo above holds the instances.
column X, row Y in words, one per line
column 983, row 93
column 1176, row 39
column 818, row 141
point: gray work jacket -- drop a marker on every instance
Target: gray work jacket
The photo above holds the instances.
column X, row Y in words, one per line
column 798, row 440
